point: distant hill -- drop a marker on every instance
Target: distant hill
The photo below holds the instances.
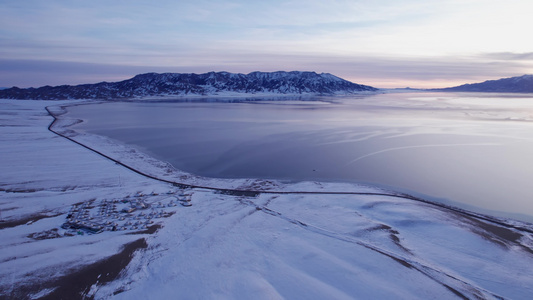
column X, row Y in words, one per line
column 213, row 83
column 521, row 84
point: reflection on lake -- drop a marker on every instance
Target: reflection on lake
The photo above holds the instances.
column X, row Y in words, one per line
column 465, row 149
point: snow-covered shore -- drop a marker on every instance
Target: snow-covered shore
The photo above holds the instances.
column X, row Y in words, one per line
column 269, row 246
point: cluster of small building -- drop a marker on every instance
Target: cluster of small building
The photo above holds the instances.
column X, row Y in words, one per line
column 131, row 213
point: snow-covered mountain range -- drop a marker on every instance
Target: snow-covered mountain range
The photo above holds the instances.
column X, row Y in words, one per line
column 520, row 84
column 181, row 84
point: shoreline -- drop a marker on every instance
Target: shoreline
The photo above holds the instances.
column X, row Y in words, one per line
column 250, row 191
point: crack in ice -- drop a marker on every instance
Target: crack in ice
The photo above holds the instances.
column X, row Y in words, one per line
column 417, row 146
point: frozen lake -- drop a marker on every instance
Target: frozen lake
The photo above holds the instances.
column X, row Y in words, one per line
column 469, row 150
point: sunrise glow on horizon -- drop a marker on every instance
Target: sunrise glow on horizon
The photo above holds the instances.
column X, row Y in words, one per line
column 386, row 44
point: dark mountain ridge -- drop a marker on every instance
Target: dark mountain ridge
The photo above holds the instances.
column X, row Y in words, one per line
column 183, row 84
column 520, row 84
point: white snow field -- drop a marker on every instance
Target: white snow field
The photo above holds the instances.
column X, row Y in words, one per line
column 226, row 245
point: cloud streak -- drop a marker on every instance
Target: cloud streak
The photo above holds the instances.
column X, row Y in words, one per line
column 382, row 72
column 374, row 42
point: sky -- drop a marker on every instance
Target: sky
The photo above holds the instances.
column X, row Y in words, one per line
column 382, row 43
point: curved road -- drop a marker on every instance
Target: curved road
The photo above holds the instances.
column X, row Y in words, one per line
column 252, row 193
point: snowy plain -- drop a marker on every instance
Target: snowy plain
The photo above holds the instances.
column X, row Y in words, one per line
column 230, row 246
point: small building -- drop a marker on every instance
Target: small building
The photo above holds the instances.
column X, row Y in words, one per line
column 85, row 226
column 129, row 209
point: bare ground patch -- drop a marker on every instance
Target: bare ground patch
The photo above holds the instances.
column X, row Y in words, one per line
column 77, row 284
column 25, row 220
